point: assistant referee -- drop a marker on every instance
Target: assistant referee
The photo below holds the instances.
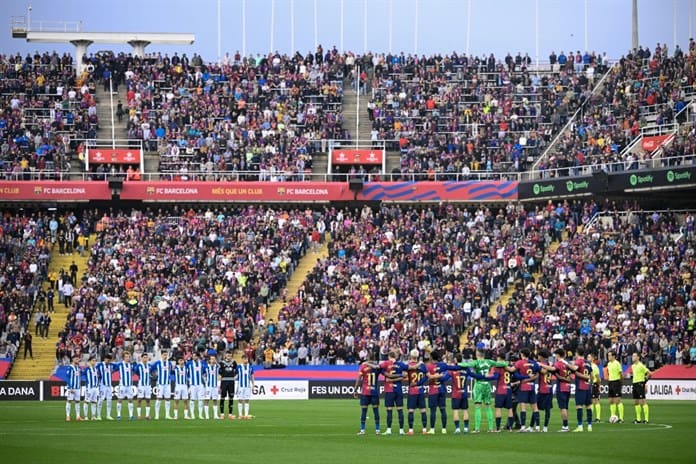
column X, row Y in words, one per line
column 615, row 374
column 228, row 373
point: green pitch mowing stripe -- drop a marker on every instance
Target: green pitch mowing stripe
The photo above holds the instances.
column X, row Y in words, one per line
column 324, row 431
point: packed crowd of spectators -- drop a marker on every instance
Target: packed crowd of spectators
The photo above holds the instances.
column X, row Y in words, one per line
column 25, row 243
column 456, row 114
column 44, row 107
column 626, row 283
column 265, row 116
column 406, row 277
column 607, row 277
column 182, row 280
column 644, row 89
column 209, row 121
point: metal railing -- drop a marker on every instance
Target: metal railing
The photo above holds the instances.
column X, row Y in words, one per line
column 298, row 176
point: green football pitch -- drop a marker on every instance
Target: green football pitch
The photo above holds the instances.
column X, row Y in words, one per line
column 324, row 431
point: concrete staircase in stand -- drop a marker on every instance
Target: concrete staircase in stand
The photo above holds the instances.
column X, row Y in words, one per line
column 350, row 109
column 298, row 277
column 44, row 361
column 505, row 298
column 104, row 112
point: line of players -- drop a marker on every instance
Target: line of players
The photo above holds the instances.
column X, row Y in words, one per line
column 429, row 379
column 196, row 382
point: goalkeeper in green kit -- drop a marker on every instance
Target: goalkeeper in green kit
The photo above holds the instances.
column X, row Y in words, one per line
column 482, row 389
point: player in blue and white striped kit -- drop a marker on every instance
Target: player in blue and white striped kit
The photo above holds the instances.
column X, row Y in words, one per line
column 163, row 369
column 104, row 369
column 245, row 383
column 91, row 389
column 126, row 390
column 194, row 370
column 212, row 386
column 73, row 389
column 144, row 387
column 181, row 388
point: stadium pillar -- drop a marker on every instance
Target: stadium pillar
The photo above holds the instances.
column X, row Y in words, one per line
column 634, row 22
column 139, row 47
column 80, row 51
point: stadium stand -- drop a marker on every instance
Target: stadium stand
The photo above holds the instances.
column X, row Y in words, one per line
column 24, row 254
column 45, row 108
column 625, row 283
column 260, row 116
column 456, row 114
column 184, row 279
column 407, row 277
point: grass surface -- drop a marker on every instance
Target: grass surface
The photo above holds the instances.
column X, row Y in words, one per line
column 324, row 431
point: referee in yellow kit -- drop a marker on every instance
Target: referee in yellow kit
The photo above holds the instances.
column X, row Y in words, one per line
column 641, row 374
column 615, row 374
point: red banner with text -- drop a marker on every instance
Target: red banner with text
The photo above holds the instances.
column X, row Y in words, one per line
column 652, row 143
column 236, row 191
column 114, row 155
column 54, row 191
column 355, row 156
column 259, row 191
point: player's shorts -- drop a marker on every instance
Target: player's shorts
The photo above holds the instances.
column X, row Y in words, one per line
column 164, row 391
column 639, row 391
column 395, row 398
column 211, row 393
column 180, row 392
column 544, row 401
column 369, row 400
column 92, row 394
column 563, row 399
column 106, row 392
column 460, row 403
column 73, row 394
column 583, row 397
column 416, row 401
column 614, row 389
column 145, row 392
column 595, row 391
column 528, row 397
column 504, row 400
column 482, row 393
column 126, row 392
column 438, row 400
column 196, row 392
column 244, row 393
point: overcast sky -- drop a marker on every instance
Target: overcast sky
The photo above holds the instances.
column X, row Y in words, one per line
column 494, row 26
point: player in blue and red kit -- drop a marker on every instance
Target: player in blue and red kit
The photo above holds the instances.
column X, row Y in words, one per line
column 438, row 374
column 526, row 395
column 503, row 377
column 417, row 375
column 460, row 396
column 583, row 389
column 561, row 369
column 545, row 394
column 394, row 373
column 369, row 393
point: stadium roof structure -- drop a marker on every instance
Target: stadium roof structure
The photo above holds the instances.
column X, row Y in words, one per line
column 72, row 33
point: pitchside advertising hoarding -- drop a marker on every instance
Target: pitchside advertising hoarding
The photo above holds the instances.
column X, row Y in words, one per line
column 263, row 390
column 48, row 390
column 20, row 390
column 656, row 389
